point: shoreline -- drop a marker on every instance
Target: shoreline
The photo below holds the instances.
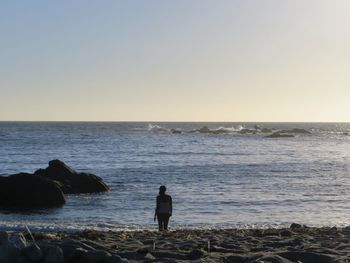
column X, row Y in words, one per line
column 284, row 245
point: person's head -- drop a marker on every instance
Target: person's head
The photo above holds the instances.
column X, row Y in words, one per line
column 162, row 190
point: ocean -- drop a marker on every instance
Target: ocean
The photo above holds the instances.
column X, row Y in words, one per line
column 229, row 179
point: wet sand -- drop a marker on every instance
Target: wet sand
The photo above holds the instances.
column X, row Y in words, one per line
column 295, row 244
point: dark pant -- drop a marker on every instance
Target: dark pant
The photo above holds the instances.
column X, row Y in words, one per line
column 163, row 220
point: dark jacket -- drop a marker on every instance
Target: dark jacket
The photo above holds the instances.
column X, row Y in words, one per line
column 164, row 205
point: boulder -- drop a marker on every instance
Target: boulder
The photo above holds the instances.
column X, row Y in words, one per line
column 70, row 181
column 9, row 253
column 53, row 254
column 32, row 253
column 28, row 190
column 205, row 129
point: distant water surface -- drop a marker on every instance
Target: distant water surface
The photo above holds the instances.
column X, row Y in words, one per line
column 216, row 180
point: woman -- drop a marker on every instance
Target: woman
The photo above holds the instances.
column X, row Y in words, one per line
column 164, row 209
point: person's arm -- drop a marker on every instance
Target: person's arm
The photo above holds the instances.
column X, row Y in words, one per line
column 171, row 206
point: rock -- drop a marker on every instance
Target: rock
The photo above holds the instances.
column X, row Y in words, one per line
column 96, row 256
column 266, row 130
column 286, row 233
column 27, row 190
column 205, row 129
column 247, row 131
column 72, row 182
column 196, row 254
column 279, row 135
column 75, row 254
column 221, row 131
column 32, row 253
column 4, row 237
column 295, row 131
column 295, row 226
column 273, row 259
column 114, row 259
column 174, row 131
column 9, row 253
column 295, row 256
column 74, row 249
column 53, row 254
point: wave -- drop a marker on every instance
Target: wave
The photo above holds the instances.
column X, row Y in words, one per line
column 157, row 129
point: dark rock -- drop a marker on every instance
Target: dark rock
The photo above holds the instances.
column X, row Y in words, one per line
column 286, row 233
column 221, row 131
column 273, row 259
column 205, row 129
column 27, row 190
column 4, row 237
column 174, row 131
column 295, row 131
column 53, row 254
column 73, row 249
column 279, row 135
column 97, row 256
column 247, row 131
column 196, row 254
column 115, row 259
column 266, row 130
column 9, row 253
column 75, row 254
column 307, row 257
column 237, row 259
column 72, row 182
column 32, row 253
column 295, row 226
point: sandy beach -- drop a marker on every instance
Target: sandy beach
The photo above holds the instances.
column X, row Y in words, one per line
column 295, row 244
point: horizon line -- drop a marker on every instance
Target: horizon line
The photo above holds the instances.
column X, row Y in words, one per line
column 162, row 121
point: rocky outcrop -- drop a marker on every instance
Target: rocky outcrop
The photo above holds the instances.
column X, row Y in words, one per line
column 279, row 135
column 295, row 131
column 28, row 190
column 70, row 181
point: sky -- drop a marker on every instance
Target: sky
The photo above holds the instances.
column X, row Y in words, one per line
column 183, row 60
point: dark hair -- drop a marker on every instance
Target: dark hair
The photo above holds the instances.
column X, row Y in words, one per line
column 162, row 190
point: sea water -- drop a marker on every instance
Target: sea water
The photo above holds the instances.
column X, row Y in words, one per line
column 216, row 180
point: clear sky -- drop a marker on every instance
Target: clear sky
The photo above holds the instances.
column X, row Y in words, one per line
column 183, row 60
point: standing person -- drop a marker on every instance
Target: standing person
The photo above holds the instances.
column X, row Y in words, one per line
column 164, row 209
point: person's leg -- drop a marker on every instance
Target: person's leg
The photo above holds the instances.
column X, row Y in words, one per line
column 160, row 222
column 166, row 221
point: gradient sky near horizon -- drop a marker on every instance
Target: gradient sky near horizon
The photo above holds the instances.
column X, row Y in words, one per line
column 160, row 60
